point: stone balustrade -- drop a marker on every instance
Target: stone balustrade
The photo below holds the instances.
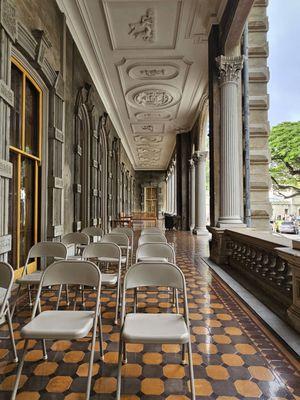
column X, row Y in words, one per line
column 265, row 264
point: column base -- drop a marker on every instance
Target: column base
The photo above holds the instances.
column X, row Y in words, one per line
column 200, row 231
column 192, row 227
column 230, row 223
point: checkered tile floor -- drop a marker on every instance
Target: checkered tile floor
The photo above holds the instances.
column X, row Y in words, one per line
column 235, row 357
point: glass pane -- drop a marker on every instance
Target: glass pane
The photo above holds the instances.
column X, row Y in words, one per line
column 13, row 209
column 27, row 207
column 31, row 119
column 15, row 114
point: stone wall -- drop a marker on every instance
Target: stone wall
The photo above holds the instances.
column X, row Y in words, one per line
column 259, row 124
column 40, row 41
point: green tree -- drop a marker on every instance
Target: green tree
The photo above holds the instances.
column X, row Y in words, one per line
column 284, row 144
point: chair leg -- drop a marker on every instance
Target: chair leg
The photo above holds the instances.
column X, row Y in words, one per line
column 124, row 354
column 45, row 356
column 67, row 295
column 90, row 374
column 75, row 298
column 135, row 300
column 19, row 371
column 119, row 376
column 15, row 302
column 11, row 334
column 58, row 297
column 82, row 297
column 176, row 301
column 192, row 383
column 117, row 301
column 29, row 295
column 183, row 361
column 101, row 337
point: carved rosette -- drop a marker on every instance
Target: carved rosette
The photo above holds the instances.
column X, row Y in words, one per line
column 229, row 69
column 191, row 163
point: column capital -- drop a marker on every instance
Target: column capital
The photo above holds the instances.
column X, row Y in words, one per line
column 191, row 163
column 199, row 156
column 229, row 68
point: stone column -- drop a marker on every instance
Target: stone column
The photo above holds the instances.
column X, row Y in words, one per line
column 200, row 193
column 230, row 168
column 192, row 194
column 171, row 189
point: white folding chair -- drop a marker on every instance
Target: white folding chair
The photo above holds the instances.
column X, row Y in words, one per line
column 155, row 252
column 94, row 233
column 162, row 328
column 6, row 282
column 151, row 230
column 107, row 253
column 128, row 232
column 152, row 238
column 121, row 240
column 38, row 250
column 65, row 325
column 75, row 242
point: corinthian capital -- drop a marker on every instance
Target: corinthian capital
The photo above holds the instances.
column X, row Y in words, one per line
column 199, row 156
column 229, row 68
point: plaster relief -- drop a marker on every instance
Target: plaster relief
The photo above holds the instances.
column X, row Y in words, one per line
column 153, row 97
column 153, row 71
column 144, row 28
column 152, row 116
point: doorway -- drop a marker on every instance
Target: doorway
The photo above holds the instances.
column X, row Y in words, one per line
column 26, row 156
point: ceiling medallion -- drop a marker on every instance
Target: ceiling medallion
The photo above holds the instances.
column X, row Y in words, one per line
column 153, row 97
column 144, row 27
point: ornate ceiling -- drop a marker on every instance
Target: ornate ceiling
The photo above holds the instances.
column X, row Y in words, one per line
column 148, row 60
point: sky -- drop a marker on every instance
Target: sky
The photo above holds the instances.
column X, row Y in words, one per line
column 284, row 60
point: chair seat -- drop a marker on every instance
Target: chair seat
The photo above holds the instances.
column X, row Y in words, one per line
column 112, row 260
column 59, row 325
column 155, row 328
column 109, row 279
column 73, row 257
column 31, row 279
column 152, row 259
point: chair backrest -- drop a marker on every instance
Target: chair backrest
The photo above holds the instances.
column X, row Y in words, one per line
column 151, row 230
column 153, row 238
column 154, row 274
column 75, row 238
column 66, row 272
column 161, row 250
column 118, row 238
column 6, row 275
column 6, row 282
column 48, row 249
column 93, row 231
column 123, row 229
column 95, row 250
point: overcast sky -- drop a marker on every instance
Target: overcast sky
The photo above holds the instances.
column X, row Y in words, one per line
column 284, row 60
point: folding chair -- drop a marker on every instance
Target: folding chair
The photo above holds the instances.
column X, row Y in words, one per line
column 155, row 252
column 129, row 233
column 6, row 282
column 75, row 242
column 152, row 238
column 121, row 240
column 151, row 230
column 163, row 328
column 107, row 253
column 38, row 250
column 65, row 325
column 94, row 233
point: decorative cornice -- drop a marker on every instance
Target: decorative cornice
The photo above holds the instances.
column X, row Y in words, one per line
column 229, row 68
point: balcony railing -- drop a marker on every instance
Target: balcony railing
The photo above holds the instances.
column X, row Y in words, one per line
column 257, row 261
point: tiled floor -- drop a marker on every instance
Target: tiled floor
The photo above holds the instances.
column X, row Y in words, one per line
column 235, row 356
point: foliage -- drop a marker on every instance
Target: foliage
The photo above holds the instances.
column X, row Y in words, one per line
column 284, row 144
